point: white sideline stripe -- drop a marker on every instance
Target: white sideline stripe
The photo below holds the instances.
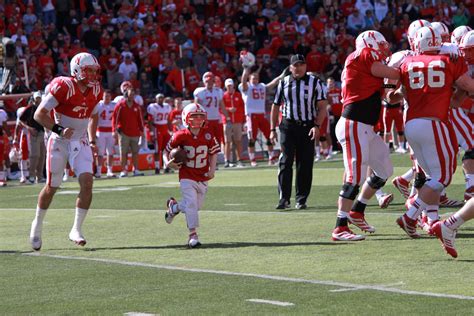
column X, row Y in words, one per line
column 139, row 314
column 258, row 276
column 356, row 289
column 278, row 303
column 288, row 213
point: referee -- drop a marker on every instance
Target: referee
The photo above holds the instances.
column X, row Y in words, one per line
column 303, row 101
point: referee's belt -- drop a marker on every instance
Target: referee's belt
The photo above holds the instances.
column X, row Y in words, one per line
column 299, row 122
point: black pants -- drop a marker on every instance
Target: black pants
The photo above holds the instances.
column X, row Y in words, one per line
column 295, row 143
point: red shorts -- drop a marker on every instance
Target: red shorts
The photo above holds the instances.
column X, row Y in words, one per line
column 390, row 116
column 217, row 129
column 324, row 129
column 256, row 122
column 162, row 137
column 24, row 145
column 3, row 151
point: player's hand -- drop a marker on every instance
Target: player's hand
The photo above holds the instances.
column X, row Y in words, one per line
column 211, row 175
column 273, row 137
column 314, row 133
column 173, row 165
column 95, row 150
column 67, row 133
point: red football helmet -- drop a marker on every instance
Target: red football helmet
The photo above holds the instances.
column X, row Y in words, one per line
column 85, row 68
column 194, row 116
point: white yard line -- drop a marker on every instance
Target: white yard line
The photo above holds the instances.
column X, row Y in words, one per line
column 358, row 289
column 259, row 276
column 278, row 303
column 139, row 314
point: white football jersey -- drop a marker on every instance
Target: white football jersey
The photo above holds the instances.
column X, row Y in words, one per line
column 397, row 58
column 159, row 113
column 254, row 98
column 210, row 99
column 105, row 112
column 19, row 112
column 3, row 117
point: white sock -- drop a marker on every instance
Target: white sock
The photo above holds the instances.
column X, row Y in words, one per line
column 37, row 225
column 443, row 193
column 409, row 175
column 79, row 218
column 341, row 214
column 317, row 151
column 157, row 164
column 432, row 213
column 454, row 221
column 24, row 172
column 469, row 180
column 109, row 169
column 252, row 156
column 416, row 208
column 378, row 194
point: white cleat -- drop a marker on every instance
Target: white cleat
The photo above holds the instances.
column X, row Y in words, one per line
column 36, row 243
column 76, row 237
column 193, row 241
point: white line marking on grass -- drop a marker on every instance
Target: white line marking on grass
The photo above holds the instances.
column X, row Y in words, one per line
column 278, row 303
column 357, row 289
column 258, row 276
column 139, row 314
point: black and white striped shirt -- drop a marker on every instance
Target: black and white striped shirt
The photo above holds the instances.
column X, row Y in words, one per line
column 299, row 97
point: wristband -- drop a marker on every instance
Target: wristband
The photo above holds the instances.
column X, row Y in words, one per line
column 273, row 130
column 389, row 86
column 58, row 129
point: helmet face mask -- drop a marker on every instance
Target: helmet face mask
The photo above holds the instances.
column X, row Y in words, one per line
column 374, row 40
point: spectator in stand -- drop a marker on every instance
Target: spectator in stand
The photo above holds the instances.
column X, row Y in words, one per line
column 29, row 20
column 460, row 18
column 127, row 124
column 334, row 68
column 355, row 23
column 175, row 82
column 49, row 12
column 127, row 66
column 363, row 6
column 380, row 10
column 91, row 39
column 284, row 52
column 370, row 20
column 233, row 132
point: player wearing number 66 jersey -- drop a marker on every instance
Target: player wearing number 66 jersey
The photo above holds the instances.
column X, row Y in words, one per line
column 427, row 79
column 201, row 151
column 211, row 99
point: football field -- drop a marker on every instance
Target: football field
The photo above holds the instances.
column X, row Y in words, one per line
column 254, row 259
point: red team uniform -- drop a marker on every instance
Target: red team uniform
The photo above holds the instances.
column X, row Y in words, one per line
column 73, row 110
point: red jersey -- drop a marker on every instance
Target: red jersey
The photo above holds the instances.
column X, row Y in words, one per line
column 198, row 149
column 128, row 119
column 175, row 116
column 234, row 100
column 428, row 80
column 334, row 99
column 74, row 108
column 358, row 83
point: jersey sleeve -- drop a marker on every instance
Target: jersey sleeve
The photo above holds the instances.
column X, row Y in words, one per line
column 196, row 93
column 173, row 142
column 214, row 147
column 59, row 89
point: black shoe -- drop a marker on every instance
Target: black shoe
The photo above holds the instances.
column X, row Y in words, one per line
column 301, row 206
column 157, row 171
column 283, row 205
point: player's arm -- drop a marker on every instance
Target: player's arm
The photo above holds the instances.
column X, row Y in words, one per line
column 245, row 79
column 458, row 98
column 396, row 96
column 378, row 69
column 465, row 82
column 43, row 117
column 92, row 127
column 212, row 166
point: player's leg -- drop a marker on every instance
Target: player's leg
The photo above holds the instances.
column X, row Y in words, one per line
column 124, row 144
column 379, row 161
column 3, row 176
column 109, row 146
column 189, row 205
column 135, row 148
column 252, row 132
column 156, row 155
column 354, row 145
column 82, row 166
column 164, row 138
column 446, row 230
column 237, row 139
column 56, row 159
column 24, row 167
column 101, row 149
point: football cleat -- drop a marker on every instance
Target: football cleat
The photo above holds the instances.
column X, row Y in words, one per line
column 253, row 163
column 402, row 185
column 447, row 237
column 468, row 194
column 111, row 175
column 408, row 225
column 170, row 214
column 409, row 202
column 193, row 241
column 358, row 219
column 3, row 183
column 36, row 243
column 76, row 237
column 447, row 202
column 401, row 150
column 385, row 200
column 425, row 224
column 123, row 174
column 343, row 233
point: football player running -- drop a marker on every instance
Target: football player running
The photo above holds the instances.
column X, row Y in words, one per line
column 362, row 87
column 73, row 101
column 427, row 79
column 201, row 149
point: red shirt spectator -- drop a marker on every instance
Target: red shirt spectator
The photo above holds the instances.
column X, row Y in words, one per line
column 128, row 119
column 175, row 80
column 234, row 100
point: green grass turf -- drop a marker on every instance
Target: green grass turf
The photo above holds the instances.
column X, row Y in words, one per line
column 241, row 232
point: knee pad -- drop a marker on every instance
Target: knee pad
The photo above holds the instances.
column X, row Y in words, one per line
column 469, row 154
column 435, row 185
column 322, row 138
column 349, row 191
column 269, row 142
column 402, row 133
column 375, row 182
column 251, row 143
column 420, row 180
